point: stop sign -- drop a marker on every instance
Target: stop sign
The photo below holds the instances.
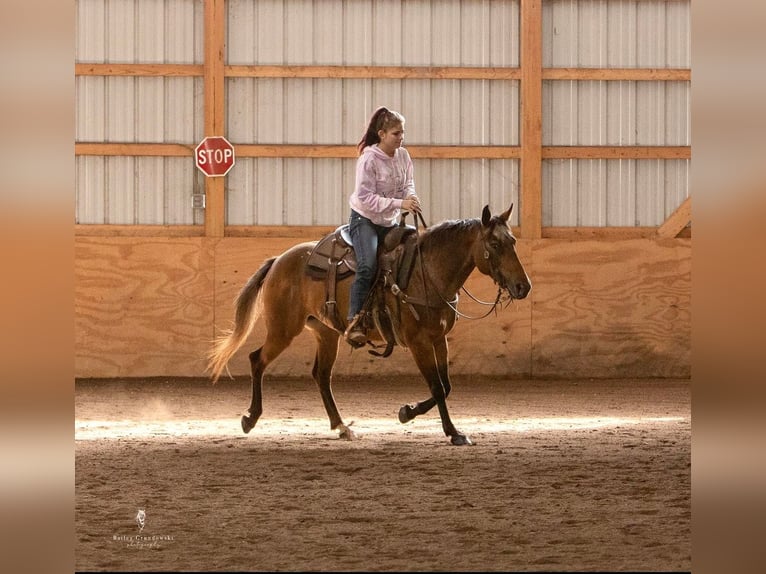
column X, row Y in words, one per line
column 214, row 156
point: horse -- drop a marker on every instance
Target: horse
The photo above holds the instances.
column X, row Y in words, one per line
column 289, row 301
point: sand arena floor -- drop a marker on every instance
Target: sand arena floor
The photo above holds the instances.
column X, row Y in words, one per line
column 564, row 475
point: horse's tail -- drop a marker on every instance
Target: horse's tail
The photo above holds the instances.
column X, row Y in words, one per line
column 248, row 308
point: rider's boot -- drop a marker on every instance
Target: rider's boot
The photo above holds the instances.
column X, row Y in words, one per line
column 356, row 334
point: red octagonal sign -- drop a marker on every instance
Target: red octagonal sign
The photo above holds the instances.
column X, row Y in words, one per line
column 214, row 156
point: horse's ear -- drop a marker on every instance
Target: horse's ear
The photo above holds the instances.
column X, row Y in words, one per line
column 485, row 216
column 506, row 215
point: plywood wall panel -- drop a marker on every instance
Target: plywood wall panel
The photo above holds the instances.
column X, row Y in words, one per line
column 143, row 307
column 616, row 309
column 151, row 307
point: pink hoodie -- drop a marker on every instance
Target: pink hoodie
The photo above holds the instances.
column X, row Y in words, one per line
column 382, row 182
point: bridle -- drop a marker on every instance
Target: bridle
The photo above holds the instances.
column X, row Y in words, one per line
column 453, row 304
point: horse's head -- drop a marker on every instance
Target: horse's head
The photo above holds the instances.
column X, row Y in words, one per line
column 495, row 254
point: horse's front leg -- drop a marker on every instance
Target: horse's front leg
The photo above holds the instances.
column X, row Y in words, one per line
column 441, row 353
column 426, row 357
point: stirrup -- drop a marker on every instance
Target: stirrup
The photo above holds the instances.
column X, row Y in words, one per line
column 357, row 338
column 355, row 333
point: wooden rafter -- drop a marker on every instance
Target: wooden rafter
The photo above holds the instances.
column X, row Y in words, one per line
column 168, row 70
column 388, row 72
column 618, row 74
column 417, row 151
column 617, row 152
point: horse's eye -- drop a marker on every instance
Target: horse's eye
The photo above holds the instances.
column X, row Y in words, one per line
column 494, row 244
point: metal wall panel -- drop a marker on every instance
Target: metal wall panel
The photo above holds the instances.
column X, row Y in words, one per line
column 138, row 190
column 612, row 193
column 617, row 34
column 678, row 34
column 373, row 32
column 124, row 190
column 616, row 113
column 90, row 36
column 577, row 33
column 335, row 111
column 89, row 189
column 612, row 34
column 139, row 31
column 315, row 191
column 452, row 189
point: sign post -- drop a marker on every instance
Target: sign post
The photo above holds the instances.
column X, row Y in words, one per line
column 214, row 156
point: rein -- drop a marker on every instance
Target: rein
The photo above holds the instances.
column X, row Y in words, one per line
column 419, row 216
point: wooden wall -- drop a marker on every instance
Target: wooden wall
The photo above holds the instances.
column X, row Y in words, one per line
column 149, row 306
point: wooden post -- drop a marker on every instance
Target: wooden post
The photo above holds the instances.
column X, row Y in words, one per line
column 530, row 194
column 215, row 34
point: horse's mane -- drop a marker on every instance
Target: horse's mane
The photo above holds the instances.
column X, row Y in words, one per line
column 444, row 234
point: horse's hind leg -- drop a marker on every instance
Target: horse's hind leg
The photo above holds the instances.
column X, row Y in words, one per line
column 327, row 352
column 259, row 360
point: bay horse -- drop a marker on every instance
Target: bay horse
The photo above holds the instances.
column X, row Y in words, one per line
column 288, row 300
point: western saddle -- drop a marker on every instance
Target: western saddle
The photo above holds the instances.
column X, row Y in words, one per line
column 333, row 259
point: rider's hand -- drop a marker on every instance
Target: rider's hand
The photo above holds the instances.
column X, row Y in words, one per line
column 412, row 203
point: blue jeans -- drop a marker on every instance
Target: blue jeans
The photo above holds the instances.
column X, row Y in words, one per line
column 365, row 236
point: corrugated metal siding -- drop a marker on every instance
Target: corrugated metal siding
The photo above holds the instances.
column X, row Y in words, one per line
column 612, row 193
column 330, row 111
column 138, row 190
column 601, row 33
column 139, row 31
column 315, row 191
column 616, row 113
column 373, row 32
column 142, row 190
column 616, row 34
column 577, row 33
column 336, row 111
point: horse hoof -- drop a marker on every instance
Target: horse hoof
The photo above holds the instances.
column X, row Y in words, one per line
column 346, row 433
column 247, row 424
column 405, row 414
column 460, row 440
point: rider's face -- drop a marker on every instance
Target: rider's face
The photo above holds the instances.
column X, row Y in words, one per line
column 391, row 139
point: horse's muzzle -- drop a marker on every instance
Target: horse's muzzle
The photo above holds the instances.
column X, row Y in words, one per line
column 519, row 290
